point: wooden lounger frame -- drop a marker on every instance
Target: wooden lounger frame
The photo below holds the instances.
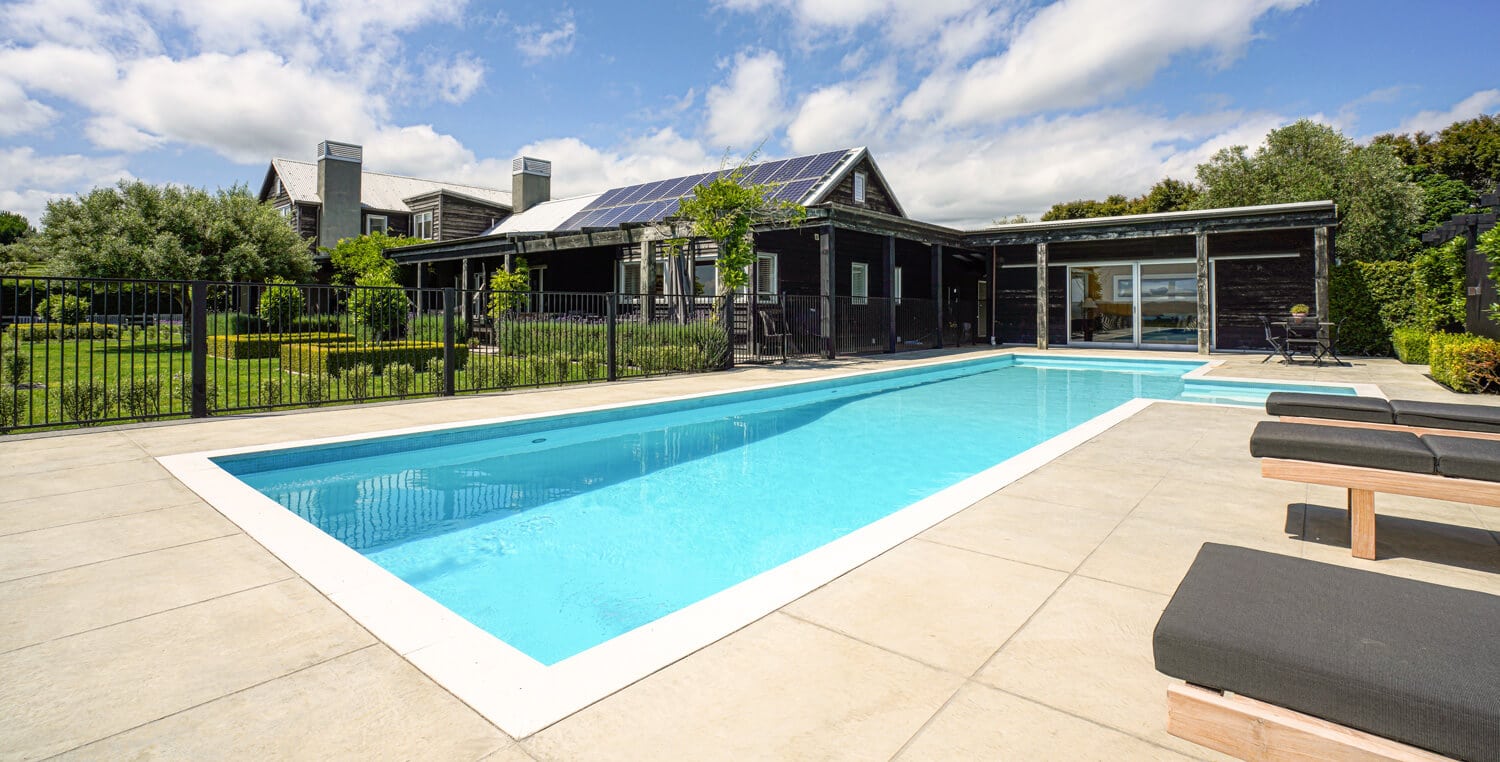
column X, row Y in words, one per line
column 1418, row 430
column 1254, row 730
column 1363, row 483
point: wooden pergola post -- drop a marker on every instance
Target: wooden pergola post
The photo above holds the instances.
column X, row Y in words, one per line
column 937, row 289
column 1041, row 295
column 1320, row 273
column 648, row 280
column 827, row 275
column 1205, row 312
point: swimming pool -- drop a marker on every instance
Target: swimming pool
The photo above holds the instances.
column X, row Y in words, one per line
column 572, row 538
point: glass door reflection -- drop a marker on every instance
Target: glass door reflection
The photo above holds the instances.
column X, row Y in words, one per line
column 1101, row 304
column 1169, row 304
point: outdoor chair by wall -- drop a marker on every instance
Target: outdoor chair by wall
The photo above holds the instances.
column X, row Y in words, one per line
column 1446, row 418
column 773, row 329
column 1366, row 461
column 1286, row 658
column 1278, row 348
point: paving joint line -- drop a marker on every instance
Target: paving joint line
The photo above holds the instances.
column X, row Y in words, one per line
column 126, row 555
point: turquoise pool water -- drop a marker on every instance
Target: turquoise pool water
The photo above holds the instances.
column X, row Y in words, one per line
column 557, row 534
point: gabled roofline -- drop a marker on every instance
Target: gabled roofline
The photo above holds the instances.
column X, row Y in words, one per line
column 820, row 193
column 456, row 194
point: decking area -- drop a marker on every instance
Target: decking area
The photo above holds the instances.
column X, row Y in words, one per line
column 136, row 620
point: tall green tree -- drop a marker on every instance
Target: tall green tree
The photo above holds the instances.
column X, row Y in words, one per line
column 1167, row 195
column 364, row 256
column 13, row 227
column 1467, row 151
column 1379, row 207
column 138, row 230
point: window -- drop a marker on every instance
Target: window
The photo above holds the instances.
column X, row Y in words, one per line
column 859, row 283
column 421, row 225
column 376, row 222
column 896, row 286
column 628, row 282
column 276, row 186
column 765, row 277
column 285, row 209
column 859, row 187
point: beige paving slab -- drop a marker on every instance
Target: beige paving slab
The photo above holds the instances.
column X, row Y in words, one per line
column 957, row 606
column 1433, row 551
column 984, row 723
column 778, row 689
column 90, row 504
column 1030, row 531
column 107, row 448
column 364, row 710
column 47, row 606
column 1262, row 508
column 46, row 484
column 1088, row 652
column 68, row 692
column 1083, row 482
column 47, row 550
column 1154, row 555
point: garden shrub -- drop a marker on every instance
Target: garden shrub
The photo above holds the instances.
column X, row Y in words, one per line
column 82, row 402
column 333, row 359
column 1372, row 299
column 269, row 392
column 430, row 328
column 435, row 369
column 184, row 386
column 380, row 307
column 261, row 345
column 488, row 373
column 62, row 309
column 141, row 397
column 357, row 378
column 14, row 366
column 314, row 388
column 58, row 331
column 400, row 377
column 1439, row 274
column 235, row 323
column 12, row 408
column 1411, row 344
column 1464, row 362
column 281, row 304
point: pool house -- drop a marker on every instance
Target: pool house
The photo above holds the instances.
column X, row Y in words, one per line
column 859, row 275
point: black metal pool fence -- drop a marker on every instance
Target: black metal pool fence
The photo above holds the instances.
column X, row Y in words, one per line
column 82, row 352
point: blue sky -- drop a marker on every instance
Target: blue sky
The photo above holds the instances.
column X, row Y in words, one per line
column 975, row 111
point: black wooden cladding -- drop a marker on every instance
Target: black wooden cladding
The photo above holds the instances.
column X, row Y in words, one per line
column 1246, row 289
column 877, row 197
column 1015, row 305
column 1118, row 229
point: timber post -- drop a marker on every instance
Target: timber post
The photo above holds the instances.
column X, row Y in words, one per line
column 1205, row 313
column 1041, row 295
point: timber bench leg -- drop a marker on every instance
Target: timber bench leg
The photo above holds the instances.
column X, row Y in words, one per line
column 1362, row 523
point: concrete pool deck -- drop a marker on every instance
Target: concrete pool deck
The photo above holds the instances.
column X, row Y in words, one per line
column 136, row 620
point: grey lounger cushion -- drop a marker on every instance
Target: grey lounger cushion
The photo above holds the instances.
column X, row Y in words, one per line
column 1465, row 457
column 1335, row 406
column 1410, row 661
column 1370, row 448
column 1447, row 415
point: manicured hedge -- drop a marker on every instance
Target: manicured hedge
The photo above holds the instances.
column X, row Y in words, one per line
column 44, row 331
column 333, row 359
column 1372, row 299
column 253, row 346
column 1411, row 344
column 242, row 322
column 1465, row 362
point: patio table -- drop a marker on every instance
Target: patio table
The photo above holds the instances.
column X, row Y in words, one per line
column 1309, row 337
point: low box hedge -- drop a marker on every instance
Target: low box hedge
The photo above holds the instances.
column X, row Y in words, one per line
column 333, row 359
column 253, row 346
column 1411, row 344
column 45, row 331
column 1464, row 362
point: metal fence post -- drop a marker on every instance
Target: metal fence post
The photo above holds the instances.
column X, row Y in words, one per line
column 450, row 298
column 199, row 348
column 727, row 311
column 611, row 315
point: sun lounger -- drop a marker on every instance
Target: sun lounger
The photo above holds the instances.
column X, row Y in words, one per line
column 1451, row 419
column 1365, row 461
column 1286, row 658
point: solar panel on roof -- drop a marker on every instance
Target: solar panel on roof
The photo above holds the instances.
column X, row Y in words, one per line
column 655, row 211
column 793, row 191
column 606, row 199
column 632, row 193
column 763, row 172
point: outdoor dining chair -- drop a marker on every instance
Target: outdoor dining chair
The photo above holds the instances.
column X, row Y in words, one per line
column 1278, row 347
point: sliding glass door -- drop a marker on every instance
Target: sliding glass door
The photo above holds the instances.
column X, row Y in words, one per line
column 1133, row 304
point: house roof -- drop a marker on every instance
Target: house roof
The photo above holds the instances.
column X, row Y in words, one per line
column 806, row 180
column 377, row 189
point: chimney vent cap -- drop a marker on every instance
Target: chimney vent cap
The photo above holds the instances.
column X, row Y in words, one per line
column 329, row 149
column 525, row 165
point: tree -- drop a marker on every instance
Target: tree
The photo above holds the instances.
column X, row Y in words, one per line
column 1467, row 151
column 1443, row 197
column 509, row 288
column 1167, row 195
column 137, row 230
column 13, row 227
column 1379, row 207
column 364, row 256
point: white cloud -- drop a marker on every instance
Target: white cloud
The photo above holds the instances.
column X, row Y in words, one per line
column 455, row 79
column 1482, row 102
column 1077, row 53
column 28, row 180
column 536, row 43
column 843, row 115
column 578, row 167
column 743, row 111
column 21, row 113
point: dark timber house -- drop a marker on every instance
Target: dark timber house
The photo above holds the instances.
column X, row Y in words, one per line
column 336, row 198
column 859, row 275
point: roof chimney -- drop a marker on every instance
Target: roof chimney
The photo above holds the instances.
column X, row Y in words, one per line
column 340, row 168
column 530, row 183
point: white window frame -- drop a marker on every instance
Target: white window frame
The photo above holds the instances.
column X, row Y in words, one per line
column 896, row 284
column 766, row 261
column 859, row 283
column 275, row 186
column 285, row 210
column 418, row 220
column 860, row 184
column 385, row 224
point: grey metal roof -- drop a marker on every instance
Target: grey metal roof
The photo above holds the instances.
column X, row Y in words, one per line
column 377, row 189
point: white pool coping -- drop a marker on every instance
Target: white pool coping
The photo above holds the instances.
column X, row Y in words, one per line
column 523, row 696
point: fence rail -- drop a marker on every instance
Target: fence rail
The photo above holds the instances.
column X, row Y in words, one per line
column 82, row 352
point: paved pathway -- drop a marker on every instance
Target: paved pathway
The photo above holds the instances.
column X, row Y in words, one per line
column 137, row 621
